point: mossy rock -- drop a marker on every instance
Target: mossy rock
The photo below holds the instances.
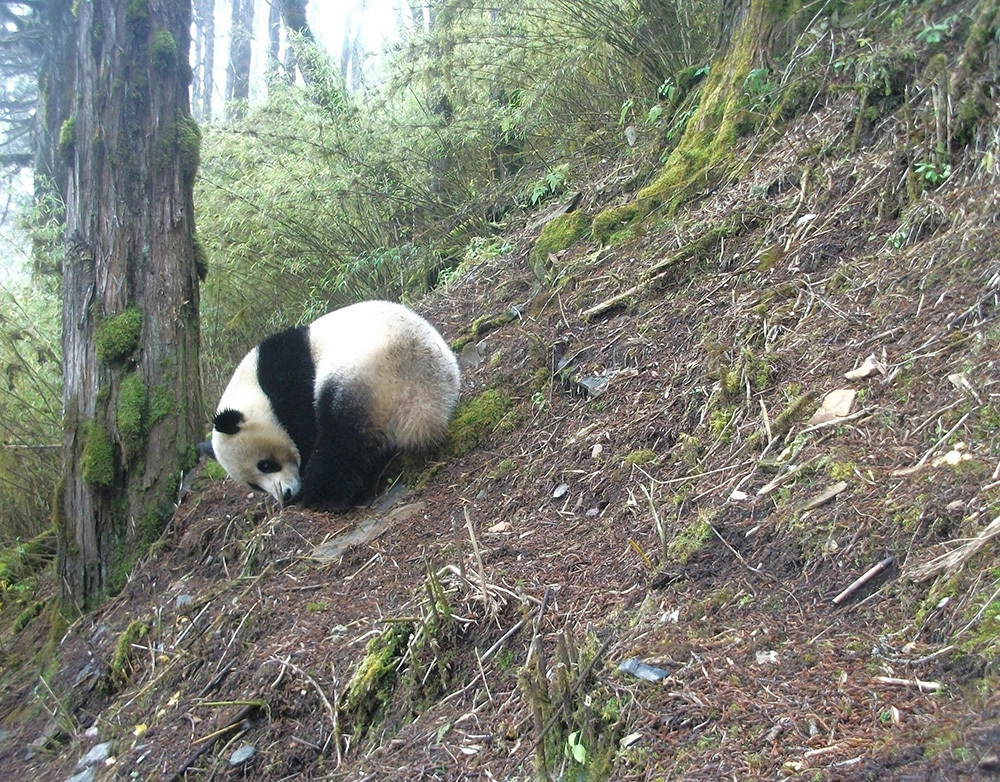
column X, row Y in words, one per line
column 475, row 420
column 558, row 234
column 612, row 220
column 117, row 337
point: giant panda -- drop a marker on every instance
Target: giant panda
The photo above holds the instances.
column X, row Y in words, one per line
column 315, row 413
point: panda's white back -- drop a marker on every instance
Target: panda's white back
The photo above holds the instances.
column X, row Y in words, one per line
column 409, row 371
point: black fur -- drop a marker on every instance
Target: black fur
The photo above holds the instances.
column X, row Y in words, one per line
column 286, row 373
column 350, row 454
column 228, row 421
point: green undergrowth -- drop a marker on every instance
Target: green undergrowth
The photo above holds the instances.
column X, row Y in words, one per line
column 476, row 419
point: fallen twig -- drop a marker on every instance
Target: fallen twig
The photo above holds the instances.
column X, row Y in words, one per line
column 863, row 579
column 951, row 561
column 918, row 683
column 207, row 742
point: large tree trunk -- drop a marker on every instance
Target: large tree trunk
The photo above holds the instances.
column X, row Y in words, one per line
column 131, row 398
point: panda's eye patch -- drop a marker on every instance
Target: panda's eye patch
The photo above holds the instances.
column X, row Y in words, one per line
column 268, row 465
column 255, row 487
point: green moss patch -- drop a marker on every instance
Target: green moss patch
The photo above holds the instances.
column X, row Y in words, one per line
column 163, row 51
column 118, row 336
column 475, row 420
column 67, row 139
column 180, row 140
column 130, row 414
column 374, row 680
column 97, row 464
column 558, row 234
column 689, row 541
column 123, row 657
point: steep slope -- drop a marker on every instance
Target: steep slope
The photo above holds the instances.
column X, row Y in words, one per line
column 636, row 475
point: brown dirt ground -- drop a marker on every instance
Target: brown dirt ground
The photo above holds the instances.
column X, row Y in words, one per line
column 250, row 640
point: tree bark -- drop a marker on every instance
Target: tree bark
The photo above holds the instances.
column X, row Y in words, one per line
column 131, row 396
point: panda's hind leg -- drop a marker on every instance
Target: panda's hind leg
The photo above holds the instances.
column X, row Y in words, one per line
column 350, row 454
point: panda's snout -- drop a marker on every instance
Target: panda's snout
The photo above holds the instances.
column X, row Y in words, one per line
column 287, row 495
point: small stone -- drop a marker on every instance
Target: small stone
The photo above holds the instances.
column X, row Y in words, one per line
column 87, row 775
column 242, row 755
column 97, row 754
column 560, row 491
column 766, row 657
column 836, row 404
column 642, row 670
column 183, row 600
column 869, row 367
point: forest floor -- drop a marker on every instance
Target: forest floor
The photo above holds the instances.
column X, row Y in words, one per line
column 651, row 487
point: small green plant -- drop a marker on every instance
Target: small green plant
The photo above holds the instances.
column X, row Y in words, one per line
column 553, row 183
column 575, row 748
column 758, row 88
column 936, row 32
column 932, row 173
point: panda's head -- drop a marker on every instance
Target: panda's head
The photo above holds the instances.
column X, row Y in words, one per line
column 256, row 451
column 250, row 442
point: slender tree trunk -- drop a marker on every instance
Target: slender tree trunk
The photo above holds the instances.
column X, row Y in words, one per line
column 131, row 397
column 240, row 45
column 274, row 37
column 293, row 13
column 352, row 48
column 204, row 59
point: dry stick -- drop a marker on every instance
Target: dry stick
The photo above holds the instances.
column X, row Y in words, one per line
column 458, row 548
column 932, row 449
column 918, row 683
column 737, row 554
column 210, row 739
column 538, row 622
column 479, row 559
column 503, row 638
column 863, row 579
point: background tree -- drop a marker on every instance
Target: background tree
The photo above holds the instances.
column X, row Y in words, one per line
column 204, row 59
column 240, row 49
column 131, row 401
column 21, row 33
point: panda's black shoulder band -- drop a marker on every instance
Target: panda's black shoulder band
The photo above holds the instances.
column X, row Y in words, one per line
column 228, row 421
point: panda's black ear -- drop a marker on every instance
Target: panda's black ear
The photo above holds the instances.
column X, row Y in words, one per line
column 228, row 421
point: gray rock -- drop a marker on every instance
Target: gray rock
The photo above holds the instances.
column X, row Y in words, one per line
column 98, row 754
column 242, row 755
column 87, row 775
